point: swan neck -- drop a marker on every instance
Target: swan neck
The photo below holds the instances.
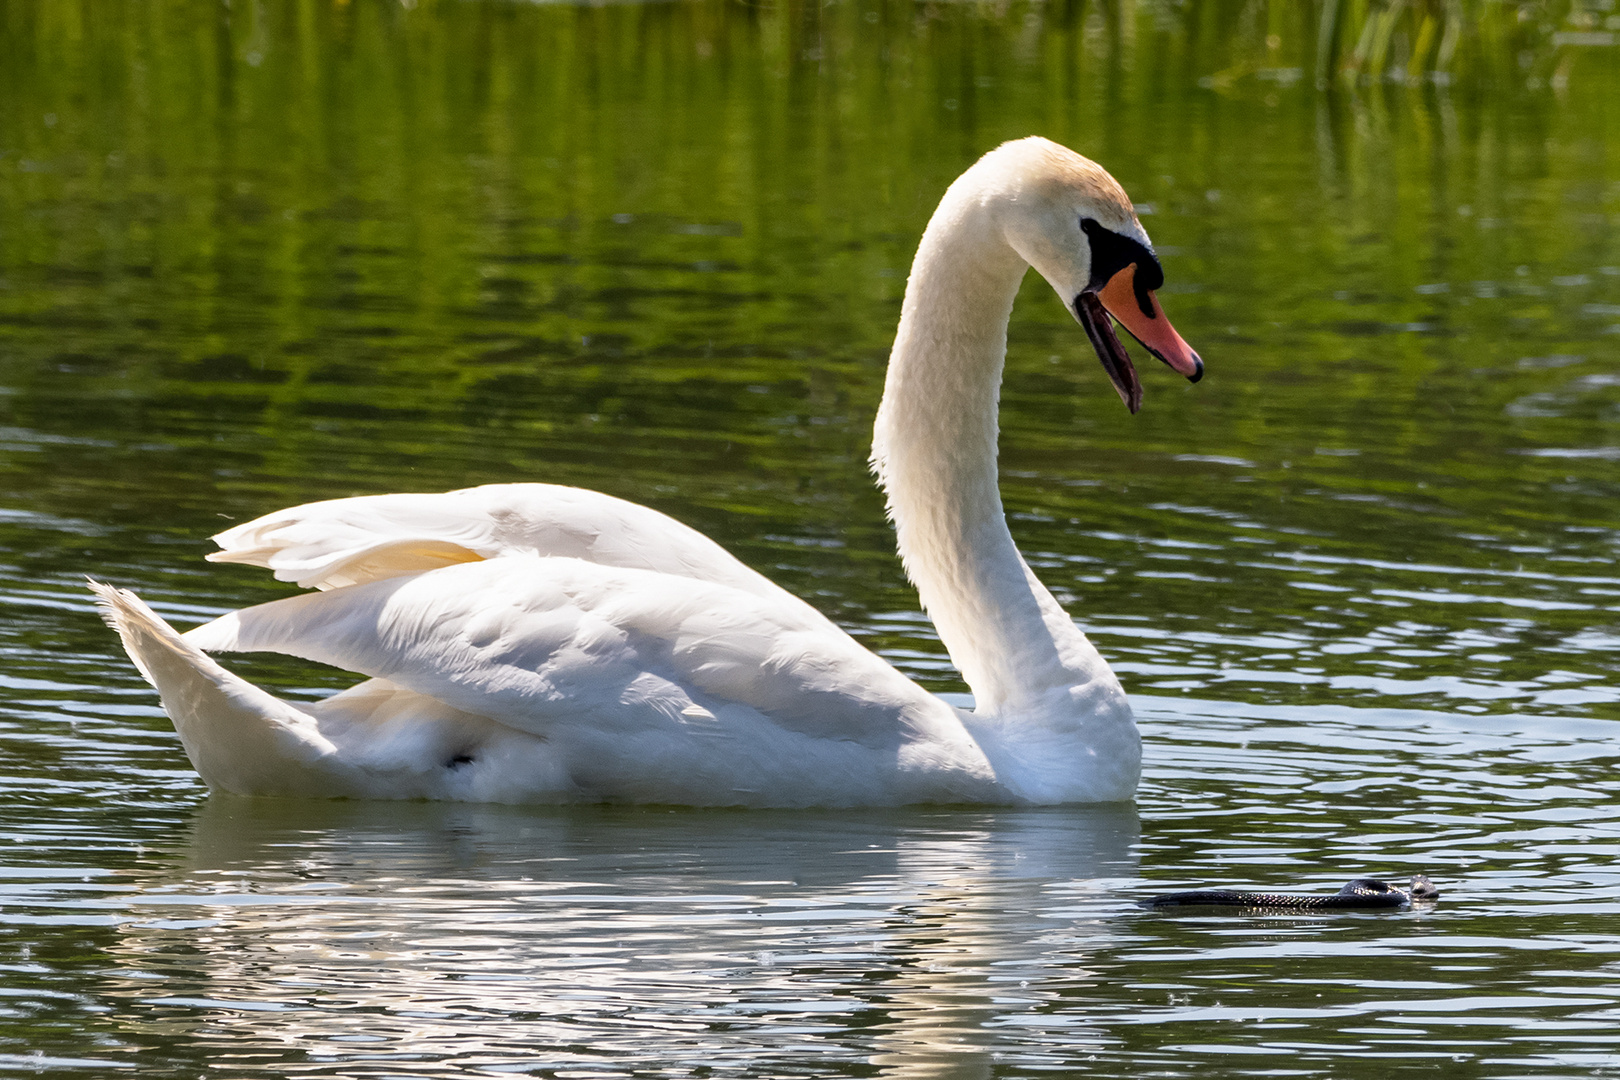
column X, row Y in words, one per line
column 935, row 454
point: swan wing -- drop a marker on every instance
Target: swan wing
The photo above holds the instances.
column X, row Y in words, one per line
column 374, row 740
column 655, row 687
column 326, row 545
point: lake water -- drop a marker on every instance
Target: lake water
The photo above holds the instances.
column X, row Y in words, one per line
column 1360, row 582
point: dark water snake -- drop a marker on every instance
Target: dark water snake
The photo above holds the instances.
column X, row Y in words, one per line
column 1362, row 893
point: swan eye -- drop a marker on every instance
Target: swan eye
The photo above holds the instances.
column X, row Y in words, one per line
column 1111, row 253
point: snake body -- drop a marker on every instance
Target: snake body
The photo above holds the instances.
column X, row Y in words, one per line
column 1362, row 893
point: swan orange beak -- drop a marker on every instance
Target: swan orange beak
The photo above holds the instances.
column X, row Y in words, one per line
column 1138, row 311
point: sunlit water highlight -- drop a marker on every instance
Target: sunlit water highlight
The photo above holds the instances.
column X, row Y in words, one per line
column 381, row 940
column 1360, row 582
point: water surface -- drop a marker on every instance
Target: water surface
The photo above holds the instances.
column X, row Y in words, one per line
column 1359, row 582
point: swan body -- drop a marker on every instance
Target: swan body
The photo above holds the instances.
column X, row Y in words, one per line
column 539, row 643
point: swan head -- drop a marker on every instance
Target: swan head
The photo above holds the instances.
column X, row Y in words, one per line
column 1070, row 220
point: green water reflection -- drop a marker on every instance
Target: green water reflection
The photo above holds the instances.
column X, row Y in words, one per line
column 257, row 254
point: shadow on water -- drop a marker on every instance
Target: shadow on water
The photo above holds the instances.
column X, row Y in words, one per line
column 632, row 847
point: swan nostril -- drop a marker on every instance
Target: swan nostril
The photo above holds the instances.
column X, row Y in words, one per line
column 458, row 761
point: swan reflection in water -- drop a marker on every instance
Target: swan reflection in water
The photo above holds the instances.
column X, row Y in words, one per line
column 550, row 937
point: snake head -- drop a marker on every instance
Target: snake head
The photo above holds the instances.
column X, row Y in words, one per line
column 1423, row 889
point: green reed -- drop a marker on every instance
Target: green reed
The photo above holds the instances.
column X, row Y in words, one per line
column 1499, row 42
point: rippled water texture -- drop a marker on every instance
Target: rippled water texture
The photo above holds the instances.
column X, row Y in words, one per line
column 1360, row 581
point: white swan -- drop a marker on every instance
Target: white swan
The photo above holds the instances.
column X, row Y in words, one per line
column 536, row 643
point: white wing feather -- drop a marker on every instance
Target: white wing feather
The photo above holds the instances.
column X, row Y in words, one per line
column 651, row 686
column 339, row 542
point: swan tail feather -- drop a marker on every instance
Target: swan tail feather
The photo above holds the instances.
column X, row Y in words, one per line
column 238, row 737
